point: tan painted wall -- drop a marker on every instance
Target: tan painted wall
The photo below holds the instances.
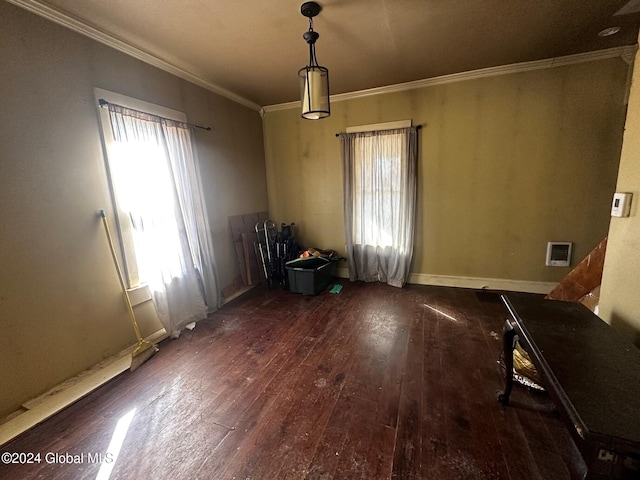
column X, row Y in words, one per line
column 61, row 310
column 619, row 296
column 506, row 164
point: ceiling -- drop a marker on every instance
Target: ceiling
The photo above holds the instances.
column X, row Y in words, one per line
column 251, row 50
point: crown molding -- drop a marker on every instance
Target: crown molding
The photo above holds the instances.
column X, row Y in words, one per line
column 76, row 25
column 626, row 53
column 87, row 30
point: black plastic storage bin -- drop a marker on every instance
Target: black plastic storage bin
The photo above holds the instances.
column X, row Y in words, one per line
column 309, row 276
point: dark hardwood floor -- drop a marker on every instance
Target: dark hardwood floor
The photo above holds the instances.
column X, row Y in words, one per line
column 373, row 383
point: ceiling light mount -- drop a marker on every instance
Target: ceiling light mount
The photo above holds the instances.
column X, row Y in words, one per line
column 314, row 79
column 310, row 9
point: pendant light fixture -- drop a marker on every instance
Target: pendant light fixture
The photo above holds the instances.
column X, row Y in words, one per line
column 314, row 79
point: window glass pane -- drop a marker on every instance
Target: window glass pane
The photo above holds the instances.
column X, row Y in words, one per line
column 377, row 189
column 144, row 191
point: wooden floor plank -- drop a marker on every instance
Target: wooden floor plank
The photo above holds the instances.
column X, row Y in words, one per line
column 408, row 449
column 331, row 443
column 319, row 380
column 276, row 428
column 434, row 431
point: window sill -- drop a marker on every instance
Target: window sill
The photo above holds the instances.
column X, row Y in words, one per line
column 139, row 294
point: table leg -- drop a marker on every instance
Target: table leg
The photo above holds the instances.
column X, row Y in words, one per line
column 508, row 339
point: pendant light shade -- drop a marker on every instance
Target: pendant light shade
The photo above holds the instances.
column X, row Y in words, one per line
column 314, row 91
column 314, row 79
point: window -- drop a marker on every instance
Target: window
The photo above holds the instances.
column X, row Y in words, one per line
column 161, row 216
column 380, row 196
column 141, row 188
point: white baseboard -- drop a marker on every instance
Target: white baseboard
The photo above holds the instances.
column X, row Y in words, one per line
column 39, row 409
column 472, row 282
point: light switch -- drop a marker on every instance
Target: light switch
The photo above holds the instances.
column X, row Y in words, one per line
column 621, row 204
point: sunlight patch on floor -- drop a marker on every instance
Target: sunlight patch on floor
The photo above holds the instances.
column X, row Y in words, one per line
column 113, row 450
column 441, row 313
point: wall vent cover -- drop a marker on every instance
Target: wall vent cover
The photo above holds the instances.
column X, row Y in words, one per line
column 558, row 254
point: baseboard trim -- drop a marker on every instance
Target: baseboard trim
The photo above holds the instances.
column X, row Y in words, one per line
column 39, row 409
column 238, row 293
column 527, row 286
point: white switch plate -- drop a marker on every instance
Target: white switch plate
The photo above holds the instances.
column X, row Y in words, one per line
column 621, row 204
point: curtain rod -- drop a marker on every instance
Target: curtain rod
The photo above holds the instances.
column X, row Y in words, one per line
column 417, row 127
column 103, row 103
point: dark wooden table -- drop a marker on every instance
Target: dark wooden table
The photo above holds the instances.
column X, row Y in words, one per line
column 591, row 372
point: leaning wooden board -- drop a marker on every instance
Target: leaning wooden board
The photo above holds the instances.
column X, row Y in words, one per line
column 243, row 235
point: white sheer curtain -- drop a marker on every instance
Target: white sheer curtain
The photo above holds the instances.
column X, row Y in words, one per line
column 379, row 203
column 156, row 181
